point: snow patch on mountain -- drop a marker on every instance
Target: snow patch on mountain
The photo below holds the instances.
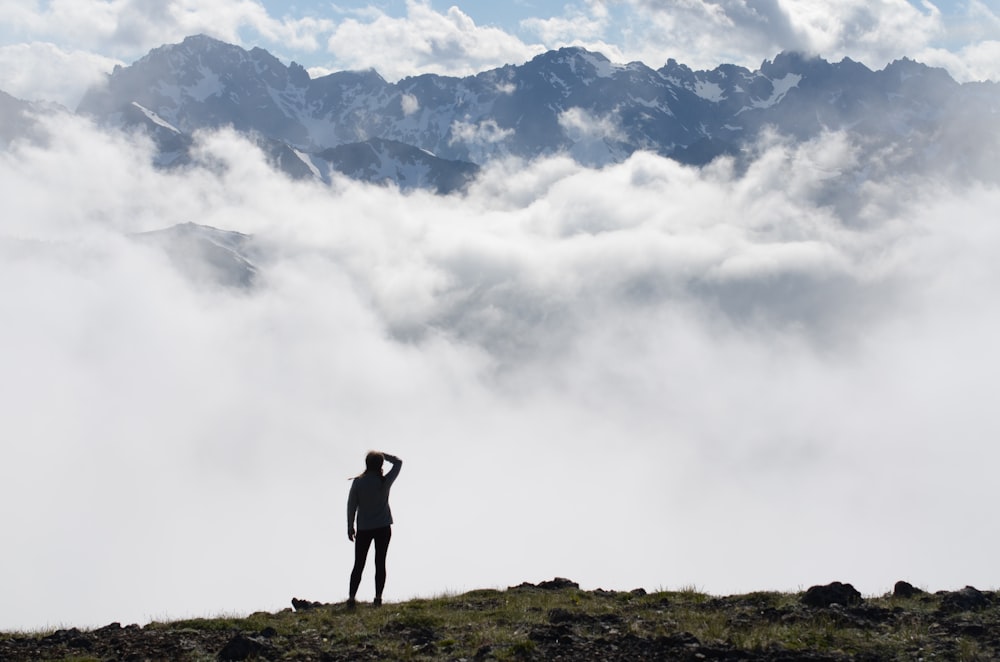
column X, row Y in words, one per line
column 155, row 119
column 207, row 86
column 709, row 91
column 781, row 87
column 308, row 160
column 602, row 67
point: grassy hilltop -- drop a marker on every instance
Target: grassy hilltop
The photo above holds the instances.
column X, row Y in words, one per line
column 556, row 620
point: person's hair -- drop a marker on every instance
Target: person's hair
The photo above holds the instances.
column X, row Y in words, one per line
column 373, row 462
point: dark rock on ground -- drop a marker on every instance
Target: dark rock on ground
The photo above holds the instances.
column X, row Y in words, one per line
column 557, row 584
column 834, row 593
column 305, row 605
column 966, row 599
column 241, row 648
column 905, row 590
column 862, row 617
column 557, row 616
column 636, row 592
column 551, row 585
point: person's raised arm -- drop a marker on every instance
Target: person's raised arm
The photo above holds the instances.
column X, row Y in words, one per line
column 396, row 463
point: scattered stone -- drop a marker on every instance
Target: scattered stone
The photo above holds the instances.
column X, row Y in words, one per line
column 558, row 615
column 412, row 631
column 420, row 636
column 70, row 637
column 81, row 642
column 905, row 590
column 551, row 585
column 305, row 605
column 557, row 584
column 834, row 593
column 427, row 648
column 865, row 615
column 972, row 629
column 109, row 628
column 240, row 648
column 522, row 586
column 554, row 634
column 966, row 599
column 584, row 627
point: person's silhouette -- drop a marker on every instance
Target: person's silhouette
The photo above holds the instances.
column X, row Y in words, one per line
column 369, row 501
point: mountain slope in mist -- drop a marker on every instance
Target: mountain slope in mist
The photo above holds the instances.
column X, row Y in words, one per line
column 206, row 254
column 566, row 101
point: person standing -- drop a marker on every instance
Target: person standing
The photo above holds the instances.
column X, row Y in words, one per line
column 369, row 502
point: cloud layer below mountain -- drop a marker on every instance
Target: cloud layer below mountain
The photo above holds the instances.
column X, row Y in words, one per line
column 641, row 375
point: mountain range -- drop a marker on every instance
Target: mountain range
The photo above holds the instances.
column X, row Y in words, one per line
column 435, row 132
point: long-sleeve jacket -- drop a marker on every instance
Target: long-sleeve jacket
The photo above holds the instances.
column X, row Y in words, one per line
column 369, row 499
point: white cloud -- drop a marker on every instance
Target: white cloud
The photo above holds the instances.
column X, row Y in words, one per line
column 130, row 28
column 575, row 24
column 42, row 71
column 714, row 340
column 487, row 131
column 593, row 137
column 425, row 41
column 480, row 138
column 982, row 21
column 975, row 62
column 705, row 33
column 587, row 27
column 410, row 104
column 581, row 125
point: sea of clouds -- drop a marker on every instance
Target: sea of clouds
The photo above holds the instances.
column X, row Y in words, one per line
column 751, row 376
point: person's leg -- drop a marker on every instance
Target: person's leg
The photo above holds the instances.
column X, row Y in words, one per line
column 362, row 542
column 382, row 537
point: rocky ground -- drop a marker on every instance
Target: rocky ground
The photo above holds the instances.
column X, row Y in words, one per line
column 557, row 621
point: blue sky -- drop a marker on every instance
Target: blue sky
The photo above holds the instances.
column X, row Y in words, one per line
column 53, row 50
column 505, row 15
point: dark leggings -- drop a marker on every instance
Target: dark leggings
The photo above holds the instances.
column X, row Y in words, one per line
column 362, row 541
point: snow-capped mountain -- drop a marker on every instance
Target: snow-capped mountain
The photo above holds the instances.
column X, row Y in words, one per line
column 571, row 100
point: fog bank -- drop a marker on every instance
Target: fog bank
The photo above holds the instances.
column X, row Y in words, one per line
column 644, row 375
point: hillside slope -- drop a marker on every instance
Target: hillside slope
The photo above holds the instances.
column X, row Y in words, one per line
column 556, row 620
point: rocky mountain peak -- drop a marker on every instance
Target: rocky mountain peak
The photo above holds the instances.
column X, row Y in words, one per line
column 570, row 100
column 794, row 62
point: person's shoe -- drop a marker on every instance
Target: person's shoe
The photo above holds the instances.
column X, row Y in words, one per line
column 351, row 604
column 377, row 602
